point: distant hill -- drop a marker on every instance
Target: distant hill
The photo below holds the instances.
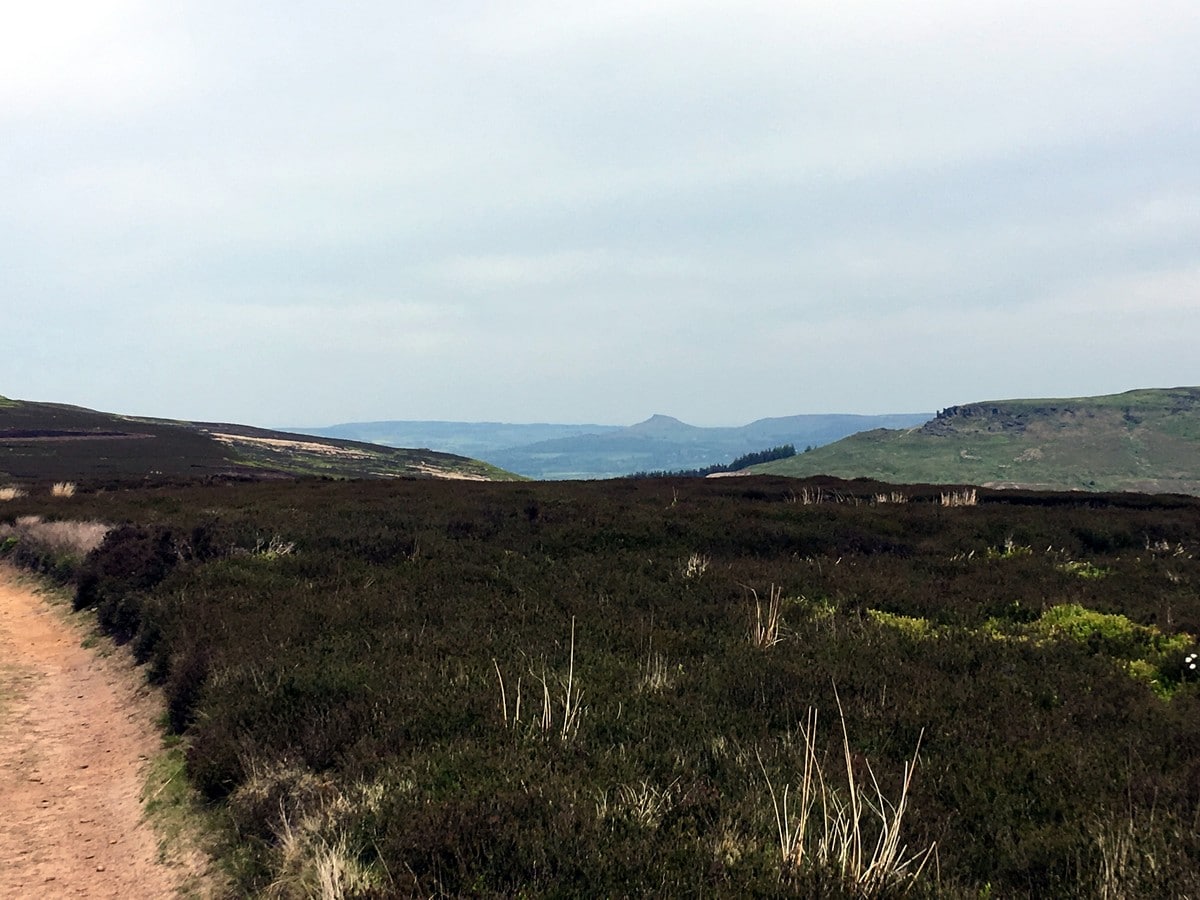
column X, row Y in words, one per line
column 42, row 442
column 597, row 451
column 663, row 443
column 1143, row 440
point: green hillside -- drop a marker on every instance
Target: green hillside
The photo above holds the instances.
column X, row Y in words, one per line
column 1143, row 440
column 42, row 442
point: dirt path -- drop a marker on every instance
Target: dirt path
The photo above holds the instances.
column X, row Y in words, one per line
column 75, row 737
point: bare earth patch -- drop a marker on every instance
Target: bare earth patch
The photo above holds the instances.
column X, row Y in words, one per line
column 298, row 446
column 450, row 474
column 76, row 735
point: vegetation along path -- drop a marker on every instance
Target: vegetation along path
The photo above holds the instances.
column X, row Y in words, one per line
column 76, row 735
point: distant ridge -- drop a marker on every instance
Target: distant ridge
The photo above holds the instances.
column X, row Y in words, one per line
column 660, row 443
column 1144, row 440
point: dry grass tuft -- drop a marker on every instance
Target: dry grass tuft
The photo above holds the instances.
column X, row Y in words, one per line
column 569, row 704
column 62, row 489
column 892, row 497
column 965, row 497
column 696, row 565
column 809, row 496
column 11, row 492
column 315, row 856
column 643, row 803
column 657, row 675
column 77, row 538
column 765, row 628
column 852, row 833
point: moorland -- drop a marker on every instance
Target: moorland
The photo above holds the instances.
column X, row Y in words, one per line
column 47, row 442
column 661, row 687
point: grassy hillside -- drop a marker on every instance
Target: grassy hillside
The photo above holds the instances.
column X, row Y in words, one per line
column 43, row 442
column 1145, row 440
column 420, row 689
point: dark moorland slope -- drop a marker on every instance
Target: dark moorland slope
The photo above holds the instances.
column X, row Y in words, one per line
column 1144, row 440
column 44, row 442
column 434, row 688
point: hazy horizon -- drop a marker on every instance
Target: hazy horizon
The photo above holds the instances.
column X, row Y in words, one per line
column 558, row 212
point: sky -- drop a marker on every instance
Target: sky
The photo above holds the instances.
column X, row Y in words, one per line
column 305, row 213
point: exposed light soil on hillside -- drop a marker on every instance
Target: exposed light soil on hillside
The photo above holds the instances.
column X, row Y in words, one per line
column 76, row 735
column 296, row 446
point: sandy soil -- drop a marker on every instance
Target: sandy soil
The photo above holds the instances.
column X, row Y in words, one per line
column 281, row 444
column 76, row 733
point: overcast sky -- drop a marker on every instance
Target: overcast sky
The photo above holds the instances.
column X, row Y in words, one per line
column 302, row 213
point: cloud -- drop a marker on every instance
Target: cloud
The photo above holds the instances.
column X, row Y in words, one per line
column 85, row 60
column 559, row 210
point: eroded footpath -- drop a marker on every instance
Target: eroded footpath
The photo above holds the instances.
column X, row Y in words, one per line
column 76, row 737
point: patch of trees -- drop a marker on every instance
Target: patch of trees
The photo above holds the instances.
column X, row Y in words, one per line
column 783, row 451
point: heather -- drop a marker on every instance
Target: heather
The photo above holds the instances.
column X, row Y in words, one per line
column 667, row 686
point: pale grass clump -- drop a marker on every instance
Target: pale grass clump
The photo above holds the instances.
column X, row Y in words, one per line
column 1166, row 548
column 565, row 706
column 62, row 489
column 274, row 548
column 809, row 496
column 11, row 492
column 696, row 566
column 268, row 549
column 729, row 843
column 1137, row 855
column 643, row 803
column 891, row 497
column 814, row 496
column 319, row 866
column 657, row 674
column 767, row 622
column 851, row 832
column 315, row 857
column 965, row 497
column 77, row 538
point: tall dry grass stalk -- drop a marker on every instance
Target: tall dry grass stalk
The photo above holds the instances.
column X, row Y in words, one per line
column 656, row 674
column 851, row 833
column 765, row 627
column 810, row 496
column 965, row 497
column 814, row 496
column 891, row 497
column 62, row 489
column 569, row 705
